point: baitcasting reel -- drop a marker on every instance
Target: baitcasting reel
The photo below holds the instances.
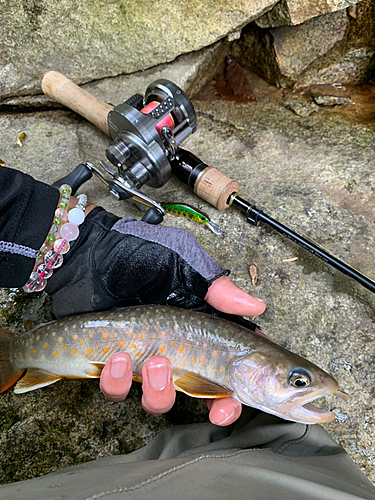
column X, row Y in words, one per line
column 147, row 130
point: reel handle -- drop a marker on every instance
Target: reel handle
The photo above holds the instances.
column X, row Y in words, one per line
column 61, row 89
column 76, row 178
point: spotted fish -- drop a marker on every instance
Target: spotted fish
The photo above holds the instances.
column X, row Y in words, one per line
column 210, row 357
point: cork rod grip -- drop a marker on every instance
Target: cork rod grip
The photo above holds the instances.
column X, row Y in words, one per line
column 61, row 89
column 215, row 187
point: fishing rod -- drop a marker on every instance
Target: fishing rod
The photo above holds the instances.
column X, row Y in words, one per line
column 148, row 131
column 213, row 187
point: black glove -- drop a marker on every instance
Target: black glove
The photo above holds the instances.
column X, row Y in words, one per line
column 128, row 262
column 123, row 262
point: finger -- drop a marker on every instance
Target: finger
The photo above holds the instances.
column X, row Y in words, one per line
column 158, row 390
column 227, row 297
column 224, row 411
column 116, row 377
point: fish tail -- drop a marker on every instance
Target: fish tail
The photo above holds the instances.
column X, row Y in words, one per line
column 8, row 375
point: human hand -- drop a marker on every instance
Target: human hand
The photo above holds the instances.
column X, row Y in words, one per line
column 157, row 381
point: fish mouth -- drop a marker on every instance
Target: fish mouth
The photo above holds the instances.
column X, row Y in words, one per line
column 308, row 413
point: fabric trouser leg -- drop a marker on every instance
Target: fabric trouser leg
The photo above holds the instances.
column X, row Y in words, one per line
column 259, row 457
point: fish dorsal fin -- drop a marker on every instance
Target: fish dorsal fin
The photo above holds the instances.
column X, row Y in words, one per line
column 200, row 387
column 35, row 379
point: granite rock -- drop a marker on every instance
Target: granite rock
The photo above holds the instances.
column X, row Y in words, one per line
column 292, row 12
column 92, row 39
column 338, row 47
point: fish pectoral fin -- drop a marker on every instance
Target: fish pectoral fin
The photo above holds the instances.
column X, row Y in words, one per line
column 200, row 387
column 97, row 367
column 35, row 379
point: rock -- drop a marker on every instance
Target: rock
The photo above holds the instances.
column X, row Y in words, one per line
column 330, row 95
column 300, row 102
column 352, row 61
column 332, row 48
column 354, row 67
column 305, row 100
column 281, row 54
column 189, row 71
column 292, row 12
column 88, row 40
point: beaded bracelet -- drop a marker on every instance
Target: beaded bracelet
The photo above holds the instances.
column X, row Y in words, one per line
column 64, row 229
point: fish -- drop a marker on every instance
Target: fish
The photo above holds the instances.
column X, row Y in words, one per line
column 211, row 357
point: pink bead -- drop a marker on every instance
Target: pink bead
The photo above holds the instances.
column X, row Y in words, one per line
column 65, row 247
column 44, row 272
column 69, row 231
column 61, row 214
column 42, row 285
column 31, row 283
column 53, row 260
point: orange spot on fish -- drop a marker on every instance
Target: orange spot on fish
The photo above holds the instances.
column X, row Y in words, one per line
column 231, row 356
column 65, row 347
column 140, row 336
column 180, row 349
column 132, row 345
column 214, row 353
column 183, row 365
column 170, row 359
column 60, row 339
column 212, row 373
column 34, row 351
column 139, row 355
column 162, row 348
column 55, row 353
column 153, row 337
column 172, row 343
column 106, row 350
column 162, row 334
column 46, row 345
column 121, row 343
column 222, row 368
column 176, row 368
column 189, row 346
column 203, row 360
column 193, row 359
column 115, row 335
column 147, row 344
column 21, row 354
column 75, row 337
column 81, row 342
column 91, row 335
column 104, row 336
column 89, row 351
column 74, row 351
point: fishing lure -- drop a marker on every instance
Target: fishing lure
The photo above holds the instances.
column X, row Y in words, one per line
column 192, row 214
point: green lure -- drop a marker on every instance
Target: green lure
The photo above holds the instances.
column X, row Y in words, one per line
column 192, row 214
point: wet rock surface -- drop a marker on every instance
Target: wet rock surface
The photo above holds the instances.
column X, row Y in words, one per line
column 313, row 173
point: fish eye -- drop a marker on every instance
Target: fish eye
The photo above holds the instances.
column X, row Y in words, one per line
column 299, row 377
